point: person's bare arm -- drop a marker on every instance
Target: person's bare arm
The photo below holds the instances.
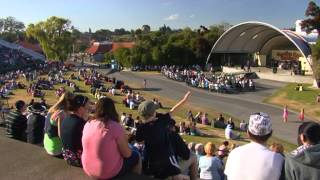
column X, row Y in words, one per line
column 124, row 149
column 180, row 103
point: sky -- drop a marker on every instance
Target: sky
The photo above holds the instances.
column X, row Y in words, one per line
column 132, row 14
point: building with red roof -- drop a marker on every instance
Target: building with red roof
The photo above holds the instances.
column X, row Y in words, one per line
column 98, row 49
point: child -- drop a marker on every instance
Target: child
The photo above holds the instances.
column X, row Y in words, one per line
column 301, row 115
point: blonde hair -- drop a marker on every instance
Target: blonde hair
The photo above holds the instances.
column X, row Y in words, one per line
column 62, row 103
column 278, row 148
column 210, row 148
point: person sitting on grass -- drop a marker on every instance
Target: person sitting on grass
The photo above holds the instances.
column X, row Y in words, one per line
column 106, row 152
column 159, row 160
column 16, row 122
column 231, row 123
column 182, row 128
column 210, row 166
column 204, row 119
column 230, row 134
column 71, row 129
column 194, row 131
column 243, row 126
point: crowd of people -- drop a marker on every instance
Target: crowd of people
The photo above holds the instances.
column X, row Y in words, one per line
column 93, row 136
column 195, row 77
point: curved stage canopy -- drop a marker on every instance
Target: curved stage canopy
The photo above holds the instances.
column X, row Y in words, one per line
column 252, row 36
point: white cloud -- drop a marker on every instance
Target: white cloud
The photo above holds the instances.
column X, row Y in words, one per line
column 192, row 16
column 172, row 17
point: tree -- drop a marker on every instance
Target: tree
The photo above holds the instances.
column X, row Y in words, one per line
column 102, row 35
column 146, row 28
column 10, row 24
column 11, row 29
column 165, row 29
column 108, row 56
column 310, row 24
column 122, row 55
column 54, row 36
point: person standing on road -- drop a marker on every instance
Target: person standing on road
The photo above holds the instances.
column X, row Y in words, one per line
column 145, row 84
column 285, row 114
column 301, row 115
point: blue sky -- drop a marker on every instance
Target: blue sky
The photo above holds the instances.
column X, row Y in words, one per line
column 132, row 14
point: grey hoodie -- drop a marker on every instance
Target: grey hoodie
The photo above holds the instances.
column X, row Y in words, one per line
column 304, row 165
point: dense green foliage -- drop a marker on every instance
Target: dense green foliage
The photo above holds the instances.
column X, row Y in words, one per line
column 170, row 47
column 54, row 36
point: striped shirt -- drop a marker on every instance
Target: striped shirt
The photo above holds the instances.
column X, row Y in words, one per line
column 16, row 125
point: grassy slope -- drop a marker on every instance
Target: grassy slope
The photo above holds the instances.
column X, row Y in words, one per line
column 296, row 100
column 213, row 135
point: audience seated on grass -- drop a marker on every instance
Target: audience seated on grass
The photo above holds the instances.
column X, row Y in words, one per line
column 231, row 123
column 204, row 119
column 304, row 162
column 194, row 131
column 71, row 129
column 106, row 153
column 230, row 134
column 243, row 126
column 219, row 122
column 160, row 159
column 255, row 160
column 52, row 130
column 35, row 123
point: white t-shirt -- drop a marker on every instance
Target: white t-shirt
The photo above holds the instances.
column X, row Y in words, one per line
column 253, row 161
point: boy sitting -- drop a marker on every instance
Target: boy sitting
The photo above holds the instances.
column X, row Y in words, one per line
column 160, row 159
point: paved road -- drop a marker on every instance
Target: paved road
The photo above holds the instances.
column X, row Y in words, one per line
column 240, row 106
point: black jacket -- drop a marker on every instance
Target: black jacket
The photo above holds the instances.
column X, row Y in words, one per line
column 35, row 128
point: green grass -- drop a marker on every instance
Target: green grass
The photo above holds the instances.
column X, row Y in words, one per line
column 296, row 100
column 307, row 96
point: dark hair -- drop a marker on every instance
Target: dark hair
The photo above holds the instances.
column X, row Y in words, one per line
column 77, row 101
column 310, row 131
column 226, row 143
column 19, row 104
column 259, row 139
column 105, row 110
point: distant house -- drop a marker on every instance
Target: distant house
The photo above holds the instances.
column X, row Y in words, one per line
column 98, row 49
